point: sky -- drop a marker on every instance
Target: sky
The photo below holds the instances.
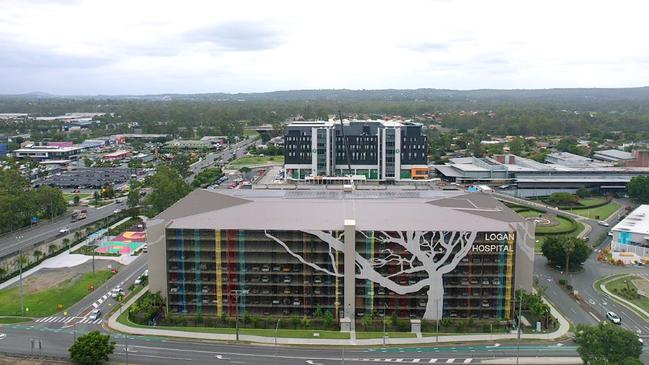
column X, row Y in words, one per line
column 79, row 47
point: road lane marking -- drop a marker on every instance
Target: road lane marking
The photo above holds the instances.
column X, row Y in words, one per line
column 594, row 316
column 432, row 361
column 3, row 336
column 161, row 357
column 450, row 361
column 415, row 360
column 467, row 361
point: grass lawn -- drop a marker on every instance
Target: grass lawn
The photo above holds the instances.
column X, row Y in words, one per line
column 602, row 212
column 70, row 197
column 250, row 133
column 255, row 160
column 367, row 335
column 44, row 302
column 10, row 320
column 642, row 302
column 564, row 224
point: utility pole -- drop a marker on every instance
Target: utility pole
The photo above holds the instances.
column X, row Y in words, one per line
column 385, row 333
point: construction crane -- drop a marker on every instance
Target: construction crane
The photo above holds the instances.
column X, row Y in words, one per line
column 342, row 133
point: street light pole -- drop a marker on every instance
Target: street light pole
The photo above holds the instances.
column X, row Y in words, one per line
column 22, row 298
column 276, row 330
column 385, row 333
column 238, row 292
column 518, row 335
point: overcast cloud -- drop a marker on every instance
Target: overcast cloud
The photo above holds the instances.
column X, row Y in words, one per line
column 189, row 46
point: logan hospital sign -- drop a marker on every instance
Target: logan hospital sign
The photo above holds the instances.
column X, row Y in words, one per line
column 495, row 242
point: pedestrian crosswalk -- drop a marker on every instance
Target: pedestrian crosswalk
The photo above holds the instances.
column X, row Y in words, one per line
column 418, row 361
column 66, row 320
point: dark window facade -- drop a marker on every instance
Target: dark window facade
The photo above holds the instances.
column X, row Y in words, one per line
column 414, row 150
column 363, row 150
column 297, row 149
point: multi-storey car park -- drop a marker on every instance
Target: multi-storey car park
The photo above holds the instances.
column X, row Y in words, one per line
column 378, row 150
column 421, row 254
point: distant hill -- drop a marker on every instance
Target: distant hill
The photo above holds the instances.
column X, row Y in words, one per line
column 483, row 95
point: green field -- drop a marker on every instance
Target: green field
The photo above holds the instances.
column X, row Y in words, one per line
column 44, row 302
column 255, row 160
column 601, row 212
column 70, row 197
column 642, row 302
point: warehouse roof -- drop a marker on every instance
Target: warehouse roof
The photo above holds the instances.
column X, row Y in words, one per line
column 318, row 209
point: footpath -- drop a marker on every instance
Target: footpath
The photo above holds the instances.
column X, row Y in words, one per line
column 113, row 324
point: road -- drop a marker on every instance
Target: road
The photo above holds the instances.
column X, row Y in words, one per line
column 11, row 243
column 160, row 350
column 237, row 150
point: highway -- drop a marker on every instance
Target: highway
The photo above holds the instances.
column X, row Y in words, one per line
column 13, row 242
column 237, row 150
column 160, row 350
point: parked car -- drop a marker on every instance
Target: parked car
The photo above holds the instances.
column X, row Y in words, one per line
column 603, row 223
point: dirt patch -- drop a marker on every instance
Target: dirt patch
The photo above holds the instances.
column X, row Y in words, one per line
column 18, row 361
column 642, row 285
column 544, row 220
column 49, row 278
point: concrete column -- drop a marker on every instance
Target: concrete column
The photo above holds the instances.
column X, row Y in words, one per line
column 349, row 281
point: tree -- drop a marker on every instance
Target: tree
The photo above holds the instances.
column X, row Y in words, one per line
column 133, row 198
column 607, row 344
column 516, row 145
column 583, row 192
column 562, row 198
column 168, row 187
column 244, row 169
column 87, row 162
column 207, row 177
column 638, row 189
column 565, row 251
column 411, row 252
column 76, row 200
column 37, row 254
column 91, row 348
column 52, row 248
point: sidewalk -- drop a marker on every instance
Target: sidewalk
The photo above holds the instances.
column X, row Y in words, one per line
column 112, row 323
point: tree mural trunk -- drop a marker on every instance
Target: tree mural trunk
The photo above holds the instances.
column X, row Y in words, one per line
column 435, row 302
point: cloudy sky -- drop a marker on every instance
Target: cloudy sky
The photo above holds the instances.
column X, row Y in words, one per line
column 188, row 46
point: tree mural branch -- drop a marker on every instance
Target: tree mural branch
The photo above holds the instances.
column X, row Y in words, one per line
column 437, row 255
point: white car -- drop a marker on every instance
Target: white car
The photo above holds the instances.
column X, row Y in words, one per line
column 614, row 318
column 138, row 281
column 94, row 315
column 64, row 230
column 117, row 211
column 603, row 223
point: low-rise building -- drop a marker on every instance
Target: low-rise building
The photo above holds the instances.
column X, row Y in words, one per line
column 630, row 237
column 613, row 155
column 40, row 153
column 189, row 144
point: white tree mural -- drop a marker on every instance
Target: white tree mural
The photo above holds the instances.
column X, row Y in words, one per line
column 432, row 252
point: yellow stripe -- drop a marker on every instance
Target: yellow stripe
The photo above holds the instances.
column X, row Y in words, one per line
column 509, row 278
column 219, row 273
